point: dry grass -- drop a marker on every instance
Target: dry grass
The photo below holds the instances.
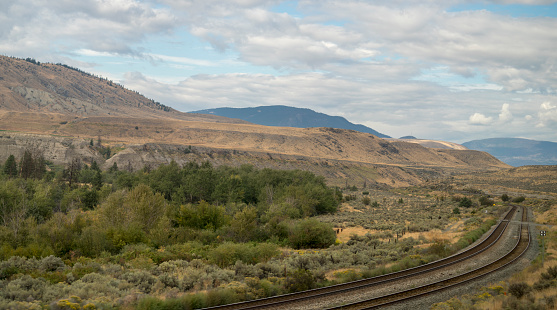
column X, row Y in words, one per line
column 345, row 234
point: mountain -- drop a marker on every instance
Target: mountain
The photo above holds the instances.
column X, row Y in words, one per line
column 69, row 114
column 517, row 152
column 284, row 116
column 27, row 86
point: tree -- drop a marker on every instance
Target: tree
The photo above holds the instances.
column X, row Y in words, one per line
column 72, row 172
column 10, row 166
column 97, row 181
column 465, row 202
column 244, row 224
column 200, row 216
column 26, row 165
column 95, row 166
column 311, row 233
column 113, row 168
column 14, row 206
column 32, row 164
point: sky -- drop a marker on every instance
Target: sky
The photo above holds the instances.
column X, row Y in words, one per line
column 452, row 70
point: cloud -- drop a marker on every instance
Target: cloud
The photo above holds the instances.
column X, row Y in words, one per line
column 505, row 114
column 479, row 119
column 360, row 59
column 40, row 27
column 547, row 114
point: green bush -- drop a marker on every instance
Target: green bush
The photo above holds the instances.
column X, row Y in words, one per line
column 519, row 199
column 300, row 280
column 486, row 201
column 465, row 203
column 311, row 233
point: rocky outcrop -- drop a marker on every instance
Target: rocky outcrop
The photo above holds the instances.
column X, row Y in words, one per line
column 58, row 150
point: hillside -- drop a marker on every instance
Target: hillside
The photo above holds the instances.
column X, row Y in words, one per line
column 434, row 144
column 64, row 112
column 29, row 86
column 283, row 116
column 517, row 152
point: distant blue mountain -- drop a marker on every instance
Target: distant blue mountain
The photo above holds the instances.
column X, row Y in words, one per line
column 284, row 116
column 517, row 152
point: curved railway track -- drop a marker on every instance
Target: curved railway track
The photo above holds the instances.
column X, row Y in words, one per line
column 283, row 300
column 519, row 249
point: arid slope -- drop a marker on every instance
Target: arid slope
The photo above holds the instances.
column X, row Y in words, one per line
column 57, row 101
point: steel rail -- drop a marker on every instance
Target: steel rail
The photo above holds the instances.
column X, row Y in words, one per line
column 518, row 251
column 281, row 300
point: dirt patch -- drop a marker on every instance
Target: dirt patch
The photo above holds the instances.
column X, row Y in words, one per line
column 344, row 235
column 435, row 234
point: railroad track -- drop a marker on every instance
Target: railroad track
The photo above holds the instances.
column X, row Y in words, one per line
column 283, row 300
column 405, row 296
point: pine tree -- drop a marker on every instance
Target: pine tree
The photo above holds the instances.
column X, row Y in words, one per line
column 26, row 166
column 10, row 166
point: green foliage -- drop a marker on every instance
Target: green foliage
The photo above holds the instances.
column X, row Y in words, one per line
column 456, row 210
column 505, row 197
column 10, row 166
column 32, row 164
column 200, row 216
column 465, row 203
column 473, row 235
column 311, row 233
column 228, row 253
column 300, row 280
column 486, row 201
column 519, row 199
column 244, row 225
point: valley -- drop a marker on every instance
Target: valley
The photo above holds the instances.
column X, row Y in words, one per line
column 136, row 205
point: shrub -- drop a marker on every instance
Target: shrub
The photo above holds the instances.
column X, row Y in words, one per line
column 519, row 199
column 366, row 201
column 465, row 203
column 300, row 280
column 311, row 233
column 51, row 263
column 141, row 279
column 551, row 273
column 519, row 289
column 486, row 201
column 505, row 197
column 24, row 289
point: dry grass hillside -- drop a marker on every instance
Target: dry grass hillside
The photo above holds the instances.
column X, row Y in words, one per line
column 55, row 100
column 52, row 88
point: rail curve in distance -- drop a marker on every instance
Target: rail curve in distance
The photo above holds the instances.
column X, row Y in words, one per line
column 282, row 300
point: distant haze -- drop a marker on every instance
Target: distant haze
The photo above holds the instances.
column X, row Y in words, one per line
column 517, row 152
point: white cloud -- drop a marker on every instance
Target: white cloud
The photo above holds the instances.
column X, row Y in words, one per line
column 356, row 58
column 505, row 114
column 479, row 119
column 40, row 28
column 547, row 114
